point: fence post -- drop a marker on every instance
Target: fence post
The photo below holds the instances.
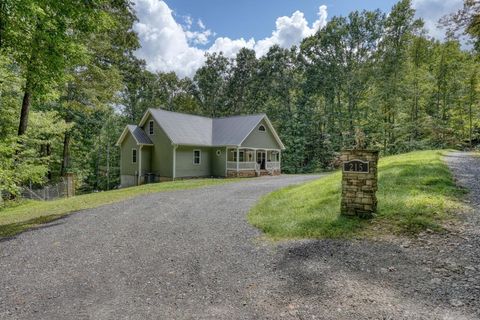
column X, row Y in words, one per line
column 70, row 177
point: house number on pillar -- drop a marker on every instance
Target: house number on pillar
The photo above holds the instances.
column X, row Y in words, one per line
column 359, row 182
column 356, row 166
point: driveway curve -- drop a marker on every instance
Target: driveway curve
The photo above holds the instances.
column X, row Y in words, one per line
column 192, row 255
column 186, row 254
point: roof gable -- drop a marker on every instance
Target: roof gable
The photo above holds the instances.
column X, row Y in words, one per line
column 231, row 131
column 137, row 133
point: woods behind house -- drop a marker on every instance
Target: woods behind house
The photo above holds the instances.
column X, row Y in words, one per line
column 69, row 82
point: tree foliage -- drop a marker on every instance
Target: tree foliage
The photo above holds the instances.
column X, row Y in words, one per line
column 73, row 65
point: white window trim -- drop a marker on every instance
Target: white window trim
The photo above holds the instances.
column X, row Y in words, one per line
column 199, row 157
column 150, row 126
column 240, row 152
column 262, row 126
column 136, row 156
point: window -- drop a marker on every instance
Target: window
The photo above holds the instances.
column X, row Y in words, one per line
column 241, row 159
column 262, row 128
column 196, row 156
column 134, row 155
column 219, row 153
column 150, row 127
column 276, row 156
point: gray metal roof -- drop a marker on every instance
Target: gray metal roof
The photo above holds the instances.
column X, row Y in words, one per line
column 139, row 135
column 183, row 128
column 187, row 129
column 233, row 130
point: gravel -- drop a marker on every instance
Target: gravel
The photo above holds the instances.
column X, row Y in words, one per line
column 192, row 255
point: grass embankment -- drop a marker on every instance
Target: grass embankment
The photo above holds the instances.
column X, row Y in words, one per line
column 29, row 214
column 416, row 191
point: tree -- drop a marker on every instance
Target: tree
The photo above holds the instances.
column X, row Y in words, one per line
column 211, row 84
column 43, row 38
column 96, row 82
column 468, row 19
column 399, row 27
column 242, row 86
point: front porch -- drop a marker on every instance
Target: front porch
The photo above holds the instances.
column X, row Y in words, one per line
column 253, row 162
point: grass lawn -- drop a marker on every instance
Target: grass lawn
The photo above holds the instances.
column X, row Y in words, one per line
column 29, row 214
column 416, row 191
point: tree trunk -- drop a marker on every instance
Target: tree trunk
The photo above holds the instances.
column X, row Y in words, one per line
column 2, row 23
column 27, row 95
column 66, row 154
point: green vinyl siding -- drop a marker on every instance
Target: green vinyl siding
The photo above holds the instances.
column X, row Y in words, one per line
column 146, row 153
column 185, row 166
column 161, row 160
column 218, row 162
column 126, row 165
column 261, row 139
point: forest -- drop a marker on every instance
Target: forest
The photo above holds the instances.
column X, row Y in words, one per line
column 70, row 82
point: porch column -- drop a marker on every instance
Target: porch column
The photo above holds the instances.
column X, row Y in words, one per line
column 280, row 159
column 238, row 158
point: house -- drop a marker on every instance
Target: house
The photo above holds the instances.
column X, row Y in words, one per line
column 169, row 145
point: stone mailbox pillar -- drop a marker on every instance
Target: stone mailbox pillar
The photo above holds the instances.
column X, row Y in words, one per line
column 359, row 182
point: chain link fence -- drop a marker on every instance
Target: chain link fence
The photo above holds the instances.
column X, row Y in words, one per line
column 62, row 189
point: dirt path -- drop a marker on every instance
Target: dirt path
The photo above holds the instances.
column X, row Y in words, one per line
column 192, row 255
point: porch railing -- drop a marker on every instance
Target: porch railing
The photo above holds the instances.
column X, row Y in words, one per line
column 232, row 165
column 272, row 165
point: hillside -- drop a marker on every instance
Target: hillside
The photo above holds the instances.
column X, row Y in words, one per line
column 416, row 192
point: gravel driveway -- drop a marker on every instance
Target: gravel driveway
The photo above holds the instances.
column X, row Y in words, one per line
column 192, row 255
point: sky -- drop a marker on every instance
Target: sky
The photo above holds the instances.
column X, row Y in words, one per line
column 176, row 34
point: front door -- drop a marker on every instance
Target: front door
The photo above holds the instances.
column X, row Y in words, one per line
column 261, row 159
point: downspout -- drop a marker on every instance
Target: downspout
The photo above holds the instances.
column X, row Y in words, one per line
column 174, row 161
column 139, row 164
column 226, row 162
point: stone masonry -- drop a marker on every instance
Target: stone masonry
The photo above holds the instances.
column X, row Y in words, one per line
column 250, row 173
column 359, row 188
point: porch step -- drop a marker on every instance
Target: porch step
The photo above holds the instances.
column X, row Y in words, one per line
column 264, row 173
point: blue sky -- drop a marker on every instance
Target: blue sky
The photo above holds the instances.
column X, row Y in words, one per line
column 176, row 34
column 256, row 18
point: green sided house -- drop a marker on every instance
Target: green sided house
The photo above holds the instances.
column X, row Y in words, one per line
column 169, row 145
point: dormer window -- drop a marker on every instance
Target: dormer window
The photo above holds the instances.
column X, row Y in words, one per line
column 150, row 127
column 262, row 128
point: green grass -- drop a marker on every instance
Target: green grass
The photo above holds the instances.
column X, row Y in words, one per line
column 416, row 191
column 28, row 214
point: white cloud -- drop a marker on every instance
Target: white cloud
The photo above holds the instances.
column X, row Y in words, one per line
column 431, row 11
column 230, row 47
column 164, row 42
column 188, row 21
column 291, row 30
column 169, row 46
column 199, row 37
